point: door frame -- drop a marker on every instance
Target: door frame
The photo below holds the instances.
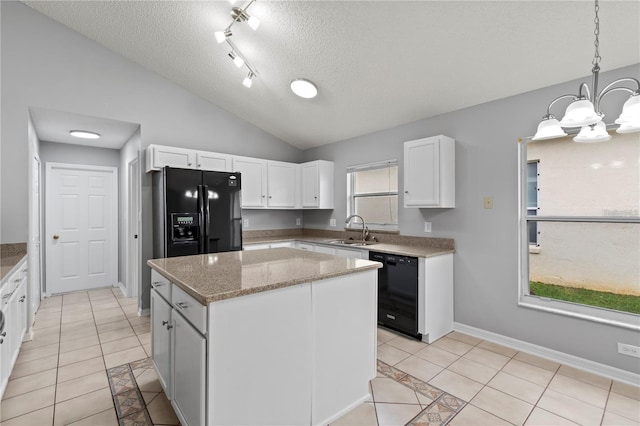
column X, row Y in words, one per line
column 132, row 245
column 35, row 249
column 49, row 166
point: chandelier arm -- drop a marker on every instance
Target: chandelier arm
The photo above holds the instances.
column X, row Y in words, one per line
column 607, row 91
column 620, row 80
column 586, row 89
column 556, row 100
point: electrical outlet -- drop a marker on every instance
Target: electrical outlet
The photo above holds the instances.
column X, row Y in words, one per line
column 246, row 223
column 298, row 221
column 332, row 222
column 488, row 202
column 427, row 227
column 630, row 350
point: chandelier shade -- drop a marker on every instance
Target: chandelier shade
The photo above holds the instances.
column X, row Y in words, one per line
column 630, row 110
column 593, row 133
column 580, row 113
column 549, row 129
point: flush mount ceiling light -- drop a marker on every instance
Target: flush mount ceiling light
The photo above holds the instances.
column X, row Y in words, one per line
column 304, row 88
column 584, row 111
column 84, row 134
column 239, row 15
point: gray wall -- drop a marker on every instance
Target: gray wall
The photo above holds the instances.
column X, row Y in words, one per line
column 47, row 65
column 486, row 259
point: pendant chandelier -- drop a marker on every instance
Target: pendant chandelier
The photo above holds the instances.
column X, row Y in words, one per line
column 584, row 111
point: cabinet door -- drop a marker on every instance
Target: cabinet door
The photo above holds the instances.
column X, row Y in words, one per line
column 213, row 161
column 189, row 365
column 324, row 249
column 281, row 185
column 354, row 254
column 422, row 173
column 171, row 156
column 310, row 185
column 253, row 173
column 21, row 300
column 161, row 340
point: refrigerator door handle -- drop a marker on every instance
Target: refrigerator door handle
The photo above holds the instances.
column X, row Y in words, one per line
column 201, row 237
column 205, row 217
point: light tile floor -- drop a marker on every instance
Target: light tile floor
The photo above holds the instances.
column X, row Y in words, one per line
column 462, row 380
column 91, row 348
column 71, row 372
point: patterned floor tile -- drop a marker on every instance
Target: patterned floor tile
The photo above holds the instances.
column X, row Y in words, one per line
column 128, row 403
column 140, row 418
column 421, row 387
column 436, row 414
column 390, row 371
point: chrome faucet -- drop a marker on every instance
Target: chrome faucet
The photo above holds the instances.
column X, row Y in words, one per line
column 365, row 230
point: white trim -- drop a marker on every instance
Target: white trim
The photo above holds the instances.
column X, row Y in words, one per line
column 144, row 312
column 557, row 356
column 123, row 288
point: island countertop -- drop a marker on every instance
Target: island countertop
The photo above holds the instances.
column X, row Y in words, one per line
column 218, row 276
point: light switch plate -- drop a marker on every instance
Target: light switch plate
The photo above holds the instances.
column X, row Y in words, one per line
column 427, row 227
column 298, row 221
column 332, row 222
column 245, row 223
column 488, row 202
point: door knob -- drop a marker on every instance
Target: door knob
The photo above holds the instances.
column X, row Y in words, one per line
column 55, row 237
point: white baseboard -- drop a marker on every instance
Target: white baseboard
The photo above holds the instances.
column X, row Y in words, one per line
column 557, row 356
column 123, row 289
column 144, row 312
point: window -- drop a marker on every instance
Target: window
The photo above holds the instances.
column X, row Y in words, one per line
column 372, row 191
column 580, row 228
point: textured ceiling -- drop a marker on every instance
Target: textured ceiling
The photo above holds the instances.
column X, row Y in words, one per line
column 377, row 64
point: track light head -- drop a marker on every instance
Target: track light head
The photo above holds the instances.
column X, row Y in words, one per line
column 241, row 15
column 222, row 35
column 248, row 81
column 237, row 59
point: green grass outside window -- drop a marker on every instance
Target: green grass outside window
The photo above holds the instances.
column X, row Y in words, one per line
column 601, row 299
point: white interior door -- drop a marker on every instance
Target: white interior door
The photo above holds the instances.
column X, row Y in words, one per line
column 81, row 227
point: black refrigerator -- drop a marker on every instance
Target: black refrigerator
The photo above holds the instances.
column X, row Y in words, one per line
column 195, row 212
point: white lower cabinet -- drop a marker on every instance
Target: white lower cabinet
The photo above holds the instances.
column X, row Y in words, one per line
column 161, row 340
column 14, row 308
column 435, row 297
column 179, row 353
column 189, row 372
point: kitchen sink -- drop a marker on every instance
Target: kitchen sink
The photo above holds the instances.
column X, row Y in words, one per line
column 352, row 242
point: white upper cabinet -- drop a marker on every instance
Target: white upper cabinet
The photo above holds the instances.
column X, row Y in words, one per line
column 159, row 156
column 266, row 184
column 429, row 173
column 281, row 185
column 317, row 184
column 253, row 181
column 213, row 161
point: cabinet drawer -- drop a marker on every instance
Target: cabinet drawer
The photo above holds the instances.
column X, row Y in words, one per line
column 190, row 308
column 161, row 285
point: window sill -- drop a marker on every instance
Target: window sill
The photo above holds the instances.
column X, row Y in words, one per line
column 534, row 249
column 589, row 313
column 374, row 229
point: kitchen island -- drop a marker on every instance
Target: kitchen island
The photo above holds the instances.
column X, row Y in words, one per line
column 276, row 336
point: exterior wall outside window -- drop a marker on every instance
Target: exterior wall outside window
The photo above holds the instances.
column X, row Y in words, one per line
column 600, row 179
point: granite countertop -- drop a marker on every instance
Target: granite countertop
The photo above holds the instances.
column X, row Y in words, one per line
column 218, row 276
column 10, row 256
column 399, row 248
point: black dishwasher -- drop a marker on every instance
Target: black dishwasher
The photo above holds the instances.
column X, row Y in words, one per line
column 398, row 293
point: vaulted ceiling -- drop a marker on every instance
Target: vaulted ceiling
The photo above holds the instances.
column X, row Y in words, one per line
column 377, row 64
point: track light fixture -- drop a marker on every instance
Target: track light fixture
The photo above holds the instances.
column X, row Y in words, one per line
column 584, row 111
column 248, row 80
column 239, row 15
column 237, row 59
